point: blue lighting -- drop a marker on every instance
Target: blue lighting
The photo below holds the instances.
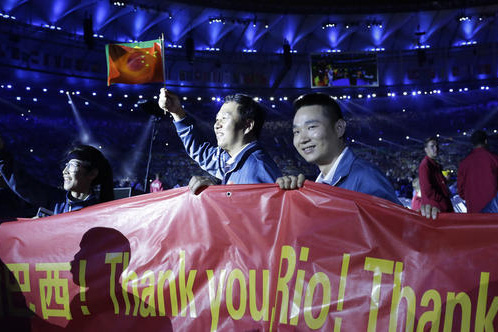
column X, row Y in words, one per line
column 140, row 22
column 377, row 34
column 174, row 46
column 422, row 46
column 101, row 14
column 468, row 28
column 376, row 49
column 250, row 36
column 216, row 20
column 328, row 25
column 58, row 10
column 52, row 27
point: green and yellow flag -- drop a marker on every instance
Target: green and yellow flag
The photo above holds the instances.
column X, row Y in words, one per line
column 134, row 63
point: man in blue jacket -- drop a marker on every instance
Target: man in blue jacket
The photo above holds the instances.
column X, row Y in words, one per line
column 238, row 158
column 319, row 131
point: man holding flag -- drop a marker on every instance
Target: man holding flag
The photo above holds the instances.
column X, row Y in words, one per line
column 238, row 158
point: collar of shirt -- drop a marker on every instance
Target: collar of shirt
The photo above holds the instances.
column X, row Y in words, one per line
column 231, row 160
column 330, row 175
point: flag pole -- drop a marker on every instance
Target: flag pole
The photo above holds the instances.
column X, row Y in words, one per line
column 162, row 59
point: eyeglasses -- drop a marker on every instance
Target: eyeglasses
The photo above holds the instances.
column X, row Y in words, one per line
column 72, row 166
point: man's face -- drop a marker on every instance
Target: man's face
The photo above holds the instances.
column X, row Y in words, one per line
column 431, row 149
column 77, row 178
column 228, row 127
column 315, row 138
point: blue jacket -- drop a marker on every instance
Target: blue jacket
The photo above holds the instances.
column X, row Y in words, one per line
column 251, row 165
column 38, row 193
column 357, row 174
column 492, row 206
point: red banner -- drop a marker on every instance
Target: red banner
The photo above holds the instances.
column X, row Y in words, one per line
column 251, row 258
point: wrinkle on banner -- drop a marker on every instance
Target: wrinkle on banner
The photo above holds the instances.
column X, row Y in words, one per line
column 250, row 258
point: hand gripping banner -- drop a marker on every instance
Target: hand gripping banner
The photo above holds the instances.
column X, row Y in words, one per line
column 250, row 258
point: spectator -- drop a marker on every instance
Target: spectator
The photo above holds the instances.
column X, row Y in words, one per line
column 433, row 185
column 86, row 168
column 478, row 174
column 238, row 158
column 156, row 185
column 319, row 133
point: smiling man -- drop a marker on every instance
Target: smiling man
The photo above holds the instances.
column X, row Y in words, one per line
column 319, row 133
column 85, row 169
column 238, row 158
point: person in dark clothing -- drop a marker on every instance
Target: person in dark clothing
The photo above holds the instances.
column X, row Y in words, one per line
column 433, row 186
column 478, row 174
column 86, row 170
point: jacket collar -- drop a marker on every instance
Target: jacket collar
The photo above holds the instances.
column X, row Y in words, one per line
column 344, row 167
column 432, row 161
column 239, row 159
column 242, row 155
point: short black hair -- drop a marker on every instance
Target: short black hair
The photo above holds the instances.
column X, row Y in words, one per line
column 249, row 109
column 332, row 109
column 95, row 160
column 429, row 139
column 479, row 137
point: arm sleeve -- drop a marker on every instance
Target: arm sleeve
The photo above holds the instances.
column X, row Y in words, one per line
column 427, row 187
column 205, row 154
column 377, row 185
column 27, row 187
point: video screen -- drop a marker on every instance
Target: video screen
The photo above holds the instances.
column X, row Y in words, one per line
column 344, row 70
